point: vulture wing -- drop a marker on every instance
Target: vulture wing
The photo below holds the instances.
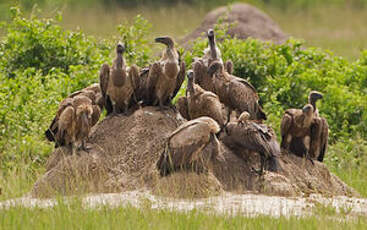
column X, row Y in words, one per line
column 323, row 139
column 253, row 138
column 180, row 79
column 154, row 72
column 187, row 143
column 104, row 76
column 183, row 107
column 285, row 126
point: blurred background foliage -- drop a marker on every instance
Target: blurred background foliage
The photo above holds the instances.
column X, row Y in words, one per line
column 43, row 59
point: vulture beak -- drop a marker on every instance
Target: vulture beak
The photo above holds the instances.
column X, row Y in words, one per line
column 120, row 48
column 211, row 37
column 316, row 95
column 164, row 40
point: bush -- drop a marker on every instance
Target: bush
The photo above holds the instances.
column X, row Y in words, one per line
column 40, row 64
column 44, row 45
column 285, row 74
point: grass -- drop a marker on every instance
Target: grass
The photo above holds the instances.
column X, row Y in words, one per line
column 74, row 216
column 340, row 29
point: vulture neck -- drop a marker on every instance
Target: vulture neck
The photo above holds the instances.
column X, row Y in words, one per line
column 312, row 102
column 190, row 86
column 307, row 120
column 170, row 55
column 213, row 49
column 119, row 61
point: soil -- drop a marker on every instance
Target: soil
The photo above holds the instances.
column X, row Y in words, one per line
column 248, row 22
column 123, row 155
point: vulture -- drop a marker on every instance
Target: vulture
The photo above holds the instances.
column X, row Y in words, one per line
column 295, row 130
column 185, row 146
column 203, row 103
column 93, row 93
column 246, row 134
column 212, row 52
column 201, row 65
column 75, row 122
column 117, row 83
column 308, row 137
column 166, row 76
column 319, row 130
column 236, row 93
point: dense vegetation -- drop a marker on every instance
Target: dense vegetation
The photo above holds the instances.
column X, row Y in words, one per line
column 41, row 63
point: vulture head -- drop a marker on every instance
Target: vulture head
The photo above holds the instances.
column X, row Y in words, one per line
column 213, row 125
column 314, row 96
column 168, row 41
column 211, row 37
column 245, row 116
column 120, row 48
column 215, row 67
column 307, row 109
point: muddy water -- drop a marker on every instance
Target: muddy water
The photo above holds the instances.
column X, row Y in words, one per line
column 228, row 203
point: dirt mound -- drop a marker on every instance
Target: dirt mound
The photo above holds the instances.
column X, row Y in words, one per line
column 249, row 22
column 125, row 149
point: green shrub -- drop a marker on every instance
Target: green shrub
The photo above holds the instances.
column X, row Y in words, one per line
column 285, row 74
column 44, row 45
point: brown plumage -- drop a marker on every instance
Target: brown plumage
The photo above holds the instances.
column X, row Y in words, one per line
column 229, row 66
column 83, row 123
column 185, row 146
column 183, row 107
column 296, row 130
column 65, row 134
column 93, row 92
column 62, row 137
column 163, row 75
column 120, row 86
column 212, row 53
column 236, row 93
column 246, row 134
column 319, row 130
column 104, row 76
column 202, row 102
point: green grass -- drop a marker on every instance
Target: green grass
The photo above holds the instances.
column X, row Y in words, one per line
column 74, row 216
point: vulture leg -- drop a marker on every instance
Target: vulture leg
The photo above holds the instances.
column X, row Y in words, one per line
column 108, row 105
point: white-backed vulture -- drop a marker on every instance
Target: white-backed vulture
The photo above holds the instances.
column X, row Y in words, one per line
column 212, row 52
column 66, row 127
column 203, row 103
column 246, row 134
column 104, row 76
column 319, row 130
column 120, row 83
column 236, row 93
column 296, row 130
column 185, row 146
column 83, row 123
column 163, row 75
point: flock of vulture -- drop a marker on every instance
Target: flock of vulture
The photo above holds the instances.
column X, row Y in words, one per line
column 217, row 106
